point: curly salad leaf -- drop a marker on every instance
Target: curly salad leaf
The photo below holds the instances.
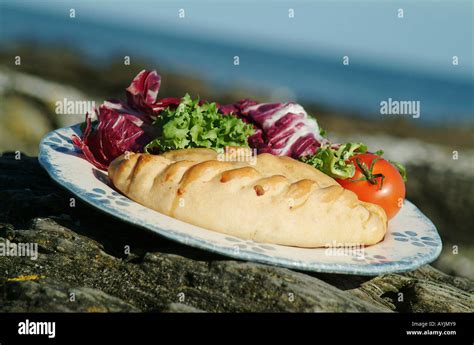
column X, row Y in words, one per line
column 333, row 160
column 195, row 124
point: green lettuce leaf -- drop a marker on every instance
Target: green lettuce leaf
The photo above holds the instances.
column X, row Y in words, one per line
column 193, row 125
column 334, row 161
column 401, row 169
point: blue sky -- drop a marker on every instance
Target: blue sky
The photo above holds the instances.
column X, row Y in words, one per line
column 427, row 38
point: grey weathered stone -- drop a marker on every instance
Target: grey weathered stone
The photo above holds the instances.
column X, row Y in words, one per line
column 81, row 250
column 46, row 295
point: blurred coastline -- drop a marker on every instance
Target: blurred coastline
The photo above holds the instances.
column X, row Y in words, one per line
column 63, row 73
column 354, row 87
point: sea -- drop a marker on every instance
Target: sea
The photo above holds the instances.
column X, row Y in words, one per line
column 357, row 88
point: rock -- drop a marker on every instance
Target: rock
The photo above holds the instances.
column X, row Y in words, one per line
column 180, row 308
column 82, row 251
column 424, row 290
column 52, row 296
column 461, row 264
column 22, row 124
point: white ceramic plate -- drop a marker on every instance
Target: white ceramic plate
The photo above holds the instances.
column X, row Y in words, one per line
column 411, row 241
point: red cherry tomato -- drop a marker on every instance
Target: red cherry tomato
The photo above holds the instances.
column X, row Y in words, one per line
column 376, row 181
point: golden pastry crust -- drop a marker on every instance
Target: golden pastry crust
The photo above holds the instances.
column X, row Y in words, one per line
column 276, row 200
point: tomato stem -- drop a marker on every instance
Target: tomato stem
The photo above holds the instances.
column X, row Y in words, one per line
column 368, row 173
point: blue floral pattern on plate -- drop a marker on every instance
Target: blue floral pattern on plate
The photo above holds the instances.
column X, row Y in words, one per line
column 411, row 240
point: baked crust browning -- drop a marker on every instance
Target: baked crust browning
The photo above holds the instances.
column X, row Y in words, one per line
column 275, row 200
